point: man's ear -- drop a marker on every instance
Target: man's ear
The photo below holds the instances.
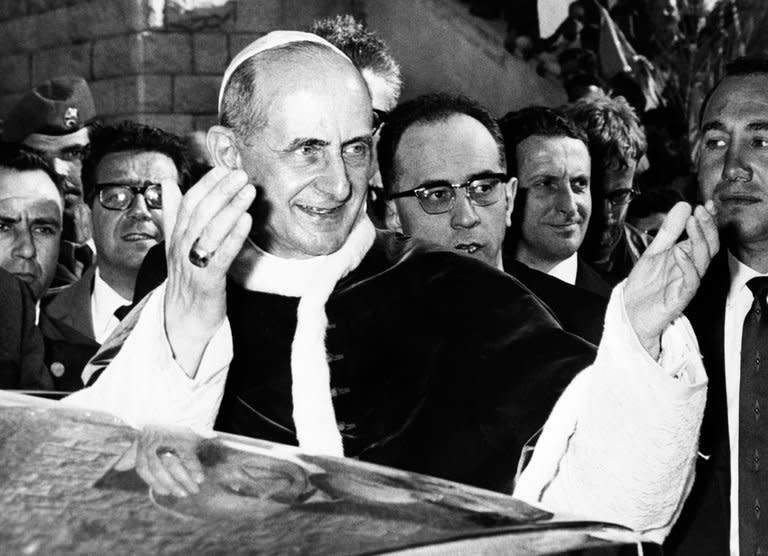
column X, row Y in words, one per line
column 222, row 146
column 510, row 191
column 392, row 217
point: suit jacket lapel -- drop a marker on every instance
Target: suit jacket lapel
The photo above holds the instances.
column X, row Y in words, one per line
column 72, row 306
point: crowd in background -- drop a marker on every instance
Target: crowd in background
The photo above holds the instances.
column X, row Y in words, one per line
column 591, row 181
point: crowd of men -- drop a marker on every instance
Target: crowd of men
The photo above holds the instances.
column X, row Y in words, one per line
column 502, row 303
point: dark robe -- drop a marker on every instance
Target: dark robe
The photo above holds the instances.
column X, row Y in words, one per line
column 579, row 310
column 439, row 364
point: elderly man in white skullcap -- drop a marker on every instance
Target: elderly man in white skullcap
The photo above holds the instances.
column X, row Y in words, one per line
column 287, row 317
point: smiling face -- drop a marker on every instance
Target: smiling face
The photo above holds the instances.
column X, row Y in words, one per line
column 555, row 172
column 30, row 227
column 733, row 161
column 312, row 159
column 123, row 237
column 452, row 150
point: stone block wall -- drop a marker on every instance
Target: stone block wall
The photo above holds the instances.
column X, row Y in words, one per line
column 155, row 61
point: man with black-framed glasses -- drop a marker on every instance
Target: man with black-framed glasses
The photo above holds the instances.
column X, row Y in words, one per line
column 456, row 195
column 121, row 176
column 435, row 140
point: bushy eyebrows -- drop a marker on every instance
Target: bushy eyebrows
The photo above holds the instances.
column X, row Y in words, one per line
column 299, row 142
column 717, row 125
column 47, row 221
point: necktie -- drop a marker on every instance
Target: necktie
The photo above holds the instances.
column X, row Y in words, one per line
column 122, row 311
column 753, row 425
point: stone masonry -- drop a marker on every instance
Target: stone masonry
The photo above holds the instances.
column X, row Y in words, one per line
column 154, row 61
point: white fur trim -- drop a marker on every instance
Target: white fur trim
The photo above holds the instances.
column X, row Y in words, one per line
column 312, row 280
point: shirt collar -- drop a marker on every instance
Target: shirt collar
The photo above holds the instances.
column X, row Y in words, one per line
column 566, row 270
column 740, row 275
column 106, row 300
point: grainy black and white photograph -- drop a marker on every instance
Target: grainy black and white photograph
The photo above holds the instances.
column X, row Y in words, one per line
column 356, row 277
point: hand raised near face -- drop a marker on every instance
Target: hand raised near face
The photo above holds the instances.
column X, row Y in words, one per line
column 210, row 227
column 666, row 277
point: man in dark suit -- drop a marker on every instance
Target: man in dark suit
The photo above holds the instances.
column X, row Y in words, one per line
column 723, row 514
column 21, row 345
column 478, row 229
column 122, row 177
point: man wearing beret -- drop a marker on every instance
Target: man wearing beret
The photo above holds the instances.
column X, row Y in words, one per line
column 53, row 120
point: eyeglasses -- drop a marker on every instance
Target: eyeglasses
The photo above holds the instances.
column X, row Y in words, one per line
column 440, row 196
column 120, row 196
column 620, row 197
column 379, row 118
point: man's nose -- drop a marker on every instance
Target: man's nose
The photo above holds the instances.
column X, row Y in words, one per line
column 735, row 167
column 138, row 209
column 334, row 183
column 566, row 201
column 464, row 214
column 24, row 245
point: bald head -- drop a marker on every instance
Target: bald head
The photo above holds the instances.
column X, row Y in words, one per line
column 254, row 85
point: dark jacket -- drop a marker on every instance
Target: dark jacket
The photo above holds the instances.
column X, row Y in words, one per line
column 704, row 525
column 67, row 326
column 21, row 344
column 439, row 363
column 579, row 310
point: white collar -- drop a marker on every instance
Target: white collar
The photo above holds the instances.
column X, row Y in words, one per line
column 257, row 270
column 104, row 295
column 566, row 270
column 740, row 275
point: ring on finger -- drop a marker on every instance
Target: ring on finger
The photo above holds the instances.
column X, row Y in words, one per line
column 199, row 257
column 165, row 451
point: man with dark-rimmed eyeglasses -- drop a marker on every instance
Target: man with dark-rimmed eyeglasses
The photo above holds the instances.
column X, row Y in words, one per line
column 443, row 161
column 457, row 195
column 122, row 177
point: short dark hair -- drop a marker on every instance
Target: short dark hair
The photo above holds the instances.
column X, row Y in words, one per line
column 740, row 67
column 362, row 46
column 518, row 125
column 18, row 157
column 133, row 136
column 615, row 135
column 430, row 108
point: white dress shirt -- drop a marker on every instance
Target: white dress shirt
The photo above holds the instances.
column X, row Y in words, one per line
column 566, row 270
column 104, row 302
column 737, row 305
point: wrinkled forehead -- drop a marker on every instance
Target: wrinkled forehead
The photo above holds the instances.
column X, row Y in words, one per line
column 566, row 153
column 29, row 188
column 142, row 165
column 332, row 105
column 451, row 149
column 738, row 98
